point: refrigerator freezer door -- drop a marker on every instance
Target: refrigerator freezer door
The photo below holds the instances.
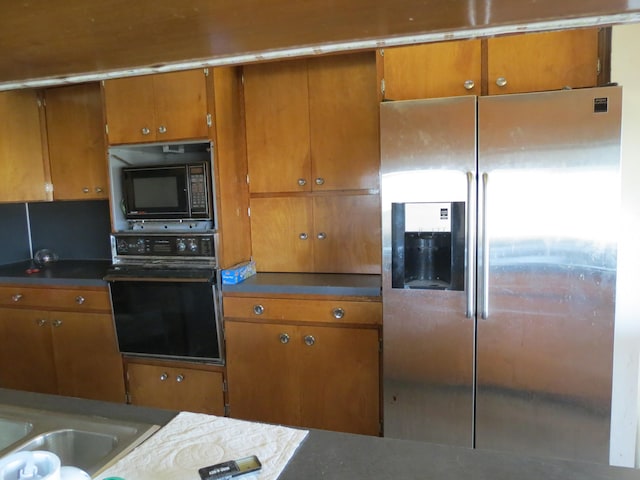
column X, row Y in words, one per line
column 428, row 155
column 548, row 215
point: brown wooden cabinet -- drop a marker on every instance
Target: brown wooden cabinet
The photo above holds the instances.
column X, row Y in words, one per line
column 309, row 363
column 510, row 64
column 23, row 175
column 60, row 340
column 154, row 108
column 75, row 134
column 336, row 234
column 175, row 386
column 312, row 125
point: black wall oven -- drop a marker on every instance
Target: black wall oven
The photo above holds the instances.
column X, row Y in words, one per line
column 166, row 308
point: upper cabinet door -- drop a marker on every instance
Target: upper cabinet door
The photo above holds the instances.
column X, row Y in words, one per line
column 75, row 134
column 277, row 127
column 21, row 156
column 312, row 124
column 543, row 61
column 181, row 105
column 343, row 112
column 168, row 106
column 444, row 69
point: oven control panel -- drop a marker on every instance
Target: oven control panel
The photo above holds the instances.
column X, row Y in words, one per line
column 163, row 246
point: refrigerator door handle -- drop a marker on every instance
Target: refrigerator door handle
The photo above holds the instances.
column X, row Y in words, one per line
column 471, row 289
column 485, row 249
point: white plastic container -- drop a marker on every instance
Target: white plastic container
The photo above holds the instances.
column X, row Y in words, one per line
column 38, row 465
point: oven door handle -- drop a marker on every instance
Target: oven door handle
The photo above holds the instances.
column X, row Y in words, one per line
column 133, row 278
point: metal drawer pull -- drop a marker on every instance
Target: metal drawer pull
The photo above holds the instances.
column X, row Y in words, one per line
column 284, row 338
column 180, row 378
column 469, row 84
column 162, row 129
column 145, row 131
column 338, row 313
column 501, row 81
column 99, row 190
column 258, row 309
column 319, row 181
column 80, row 300
column 303, row 236
column 41, row 322
column 321, row 236
column 163, row 377
column 17, row 297
column 85, row 190
column 309, row 340
column 57, row 323
column 302, row 182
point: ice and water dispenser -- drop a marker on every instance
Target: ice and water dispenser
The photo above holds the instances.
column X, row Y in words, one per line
column 427, row 243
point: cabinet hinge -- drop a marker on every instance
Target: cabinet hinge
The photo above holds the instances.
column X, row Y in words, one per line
column 381, row 428
column 224, row 386
column 598, row 66
column 206, row 72
column 127, row 398
column 242, row 78
column 382, row 87
column 380, row 345
column 248, row 211
column 106, row 129
column 227, row 410
column 209, row 120
column 381, row 50
column 48, row 187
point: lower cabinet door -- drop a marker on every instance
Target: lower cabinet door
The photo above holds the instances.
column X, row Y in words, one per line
column 175, row 388
column 263, row 372
column 340, row 384
column 317, row 377
column 86, row 355
column 26, row 356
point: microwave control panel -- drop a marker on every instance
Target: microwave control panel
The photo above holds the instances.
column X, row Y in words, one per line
column 199, row 193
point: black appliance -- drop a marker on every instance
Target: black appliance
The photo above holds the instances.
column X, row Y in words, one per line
column 165, row 293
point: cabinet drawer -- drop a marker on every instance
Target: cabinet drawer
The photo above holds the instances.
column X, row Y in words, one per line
column 332, row 311
column 55, row 298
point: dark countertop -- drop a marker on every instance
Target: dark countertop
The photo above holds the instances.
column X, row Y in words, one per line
column 88, row 273
column 309, row 283
column 338, row 456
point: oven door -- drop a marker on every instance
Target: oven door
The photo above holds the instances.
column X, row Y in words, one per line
column 177, row 318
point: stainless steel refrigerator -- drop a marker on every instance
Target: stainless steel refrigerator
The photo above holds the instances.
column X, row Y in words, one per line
column 500, row 220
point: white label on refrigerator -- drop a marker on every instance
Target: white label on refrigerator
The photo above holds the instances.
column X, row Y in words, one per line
column 427, row 217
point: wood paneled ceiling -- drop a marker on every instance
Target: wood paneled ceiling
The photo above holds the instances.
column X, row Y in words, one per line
column 46, row 42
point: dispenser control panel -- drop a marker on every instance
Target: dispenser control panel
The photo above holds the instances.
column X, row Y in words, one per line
column 427, row 217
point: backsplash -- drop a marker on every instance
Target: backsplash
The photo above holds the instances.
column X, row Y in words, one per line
column 74, row 230
column 14, row 234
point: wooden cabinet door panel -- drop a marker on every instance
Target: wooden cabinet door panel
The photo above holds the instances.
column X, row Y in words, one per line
column 26, row 357
column 129, row 105
column 75, row 134
column 263, row 372
column 343, row 112
column 86, row 355
column 277, row 127
column 281, row 235
column 180, row 105
column 21, row 157
column 543, row 61
column 432, row 70
column 176, row 388
column 340, row 386
column 348, row 235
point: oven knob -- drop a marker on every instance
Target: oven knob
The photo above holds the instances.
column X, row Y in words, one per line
column 193, row 246
column 181, row 246
column 140, row 245
column 122, row 246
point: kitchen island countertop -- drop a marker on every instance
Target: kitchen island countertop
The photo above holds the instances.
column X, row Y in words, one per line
column 82, row 273
column 337, row 456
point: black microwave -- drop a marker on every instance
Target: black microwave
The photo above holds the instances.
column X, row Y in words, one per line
column 178, row 191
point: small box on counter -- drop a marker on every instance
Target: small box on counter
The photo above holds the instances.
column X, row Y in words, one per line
column 238, row 273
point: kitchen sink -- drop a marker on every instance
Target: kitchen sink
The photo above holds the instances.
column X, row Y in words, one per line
column 13, row 430
column 88, row 442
